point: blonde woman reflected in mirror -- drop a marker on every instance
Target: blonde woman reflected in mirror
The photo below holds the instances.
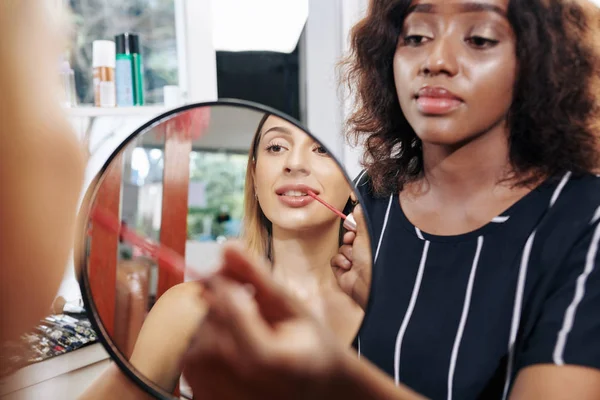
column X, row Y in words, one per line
column 294, row 234
column 297, row 235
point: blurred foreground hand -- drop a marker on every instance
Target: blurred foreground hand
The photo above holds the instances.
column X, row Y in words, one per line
column 257, row 341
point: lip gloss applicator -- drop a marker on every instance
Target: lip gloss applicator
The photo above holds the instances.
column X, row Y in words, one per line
column 349, row 221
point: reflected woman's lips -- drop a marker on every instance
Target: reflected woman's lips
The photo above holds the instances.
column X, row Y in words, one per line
column 295, row 201
column 295, row 189
column 295, row 195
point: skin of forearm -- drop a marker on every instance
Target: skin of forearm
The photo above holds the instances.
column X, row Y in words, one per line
column 359, row 379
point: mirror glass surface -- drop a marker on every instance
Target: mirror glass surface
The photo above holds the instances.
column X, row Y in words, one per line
column 190, row 181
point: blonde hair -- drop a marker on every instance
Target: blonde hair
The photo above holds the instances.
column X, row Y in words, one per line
column 256, row 228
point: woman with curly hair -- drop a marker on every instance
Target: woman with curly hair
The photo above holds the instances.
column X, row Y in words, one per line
column 478, row 118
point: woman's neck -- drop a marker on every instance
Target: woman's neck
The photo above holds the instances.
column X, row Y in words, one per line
column 301, row 260
column 458, row 172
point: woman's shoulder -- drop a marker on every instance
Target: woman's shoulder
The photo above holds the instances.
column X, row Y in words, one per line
column 363, row 184
column 377, row 207
column 562, row 313
column 575, row 200
column 180, row 309
column 573, row 211
column 167, row 332
column 182, row 298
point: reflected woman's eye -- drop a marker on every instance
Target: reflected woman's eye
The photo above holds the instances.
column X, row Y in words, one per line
column 275, row 147
column 321, row 150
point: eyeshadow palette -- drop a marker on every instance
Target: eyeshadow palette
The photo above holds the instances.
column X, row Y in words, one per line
column 53, row 336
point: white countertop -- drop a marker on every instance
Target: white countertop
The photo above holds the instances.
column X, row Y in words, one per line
column 53, row 367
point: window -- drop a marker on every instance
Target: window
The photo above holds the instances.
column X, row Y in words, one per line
column 216, row 197
column 152, row 20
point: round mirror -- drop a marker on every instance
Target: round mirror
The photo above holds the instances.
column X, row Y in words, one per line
column 154, row 220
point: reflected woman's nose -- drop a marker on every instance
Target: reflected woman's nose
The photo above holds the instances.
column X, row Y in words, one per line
column 297, row 162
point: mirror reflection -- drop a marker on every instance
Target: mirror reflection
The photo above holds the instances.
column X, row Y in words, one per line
column 189, row 183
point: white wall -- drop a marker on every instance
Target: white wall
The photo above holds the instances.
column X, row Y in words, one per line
column 196, row 51
column 352, row 12
column 326, row 42
column 323, row 49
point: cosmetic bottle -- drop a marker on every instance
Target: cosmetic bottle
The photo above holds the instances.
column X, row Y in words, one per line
column 67, row 76
column 104, row 60
column 138, row 69
column 125, row 84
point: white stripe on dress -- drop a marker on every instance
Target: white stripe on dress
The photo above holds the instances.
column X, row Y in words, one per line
column 514, row 326
column 596, row 216
column 364, row 171
column 501, row 219
column 463, row 318
column 419, row 233
column 559, row 188
column 561, row 342
column 411, row 306
column 516, row 318
column 385, row 221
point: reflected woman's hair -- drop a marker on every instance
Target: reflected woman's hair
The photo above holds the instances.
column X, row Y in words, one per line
column 256, row 231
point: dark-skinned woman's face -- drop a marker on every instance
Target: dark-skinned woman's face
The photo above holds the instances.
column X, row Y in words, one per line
column 455, row 68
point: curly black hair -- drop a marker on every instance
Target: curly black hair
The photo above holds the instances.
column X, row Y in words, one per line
column 552, row 115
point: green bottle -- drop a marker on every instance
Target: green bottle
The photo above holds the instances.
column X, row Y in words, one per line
column 125, row 85
column 138, row 70
column 130, row 71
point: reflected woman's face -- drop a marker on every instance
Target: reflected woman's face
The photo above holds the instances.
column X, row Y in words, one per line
column 288, row 163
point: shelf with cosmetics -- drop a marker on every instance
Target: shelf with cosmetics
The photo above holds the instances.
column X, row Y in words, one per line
column 96, row 126
column 95, row 112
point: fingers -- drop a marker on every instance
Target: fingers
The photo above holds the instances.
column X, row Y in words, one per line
column 359, row 217
column 274, row 302
column 346, row 250
column 353, row 196
column 340, row 261
column 349, row 237
column 233, row 307
column 241, row 268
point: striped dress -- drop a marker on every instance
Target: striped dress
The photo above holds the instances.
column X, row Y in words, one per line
column 457, row 317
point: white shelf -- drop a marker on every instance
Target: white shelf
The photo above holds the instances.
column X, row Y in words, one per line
column 53, row 367
column 94, row 112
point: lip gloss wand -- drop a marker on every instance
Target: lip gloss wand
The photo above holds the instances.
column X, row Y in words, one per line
column 349, row 222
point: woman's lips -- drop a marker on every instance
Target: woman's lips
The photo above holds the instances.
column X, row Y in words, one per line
column 295, row 201
column 437, row 101
column 295, row 195
column 437, row 106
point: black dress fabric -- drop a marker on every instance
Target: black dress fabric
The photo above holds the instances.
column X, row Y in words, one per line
column 457, row 317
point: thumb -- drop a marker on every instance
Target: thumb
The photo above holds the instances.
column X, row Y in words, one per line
column 361, row 225
column 235, row 308
column 273, row 301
